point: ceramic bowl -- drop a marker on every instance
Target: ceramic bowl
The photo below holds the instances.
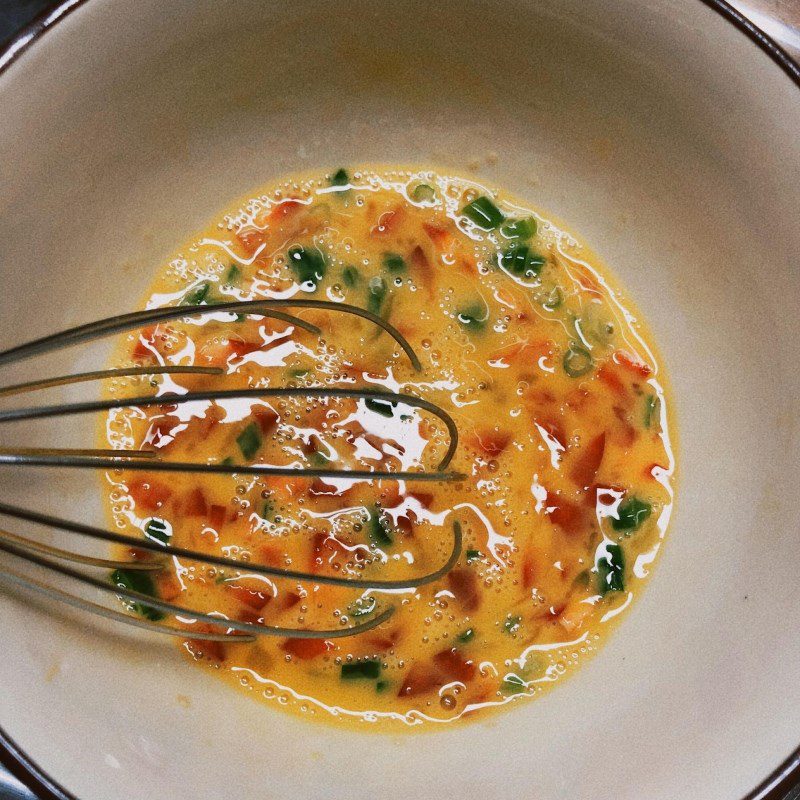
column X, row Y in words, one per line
column 666, row 134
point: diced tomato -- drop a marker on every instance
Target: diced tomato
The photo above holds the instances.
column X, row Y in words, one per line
column 421, row 678
column 160, row 430
column 216, row 516
column 266, row 418
column 625, row 433
column 382, row 641
column 251, row 239
column 441, row 237
column 284, row 209
column 404, row 525
column 194, row 503
column 168, row 586
column 306, row 648
column 528, row 570
column 149, row 494
column 608, row 375
column 215, row 651
column 254, row 598
column 420, row 263
column 290, row 600
column 569, row 516
column 454, row 666
column 587, row 461
column 388, row 221
column 463, row 584
column 269, row 554
column 324, row 549
column 586, row 279
column 242, row 348
column 632, row 362
column 247, row 614
column 492, row 442
column 425, row 499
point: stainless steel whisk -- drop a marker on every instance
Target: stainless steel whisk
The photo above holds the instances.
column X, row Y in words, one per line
column 51, row 558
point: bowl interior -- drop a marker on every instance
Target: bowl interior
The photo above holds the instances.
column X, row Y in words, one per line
column 663, row 137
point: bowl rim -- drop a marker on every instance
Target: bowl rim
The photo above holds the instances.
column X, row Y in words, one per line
column 776, row 786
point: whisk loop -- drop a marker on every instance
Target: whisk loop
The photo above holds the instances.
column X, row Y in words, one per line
column 49, row 557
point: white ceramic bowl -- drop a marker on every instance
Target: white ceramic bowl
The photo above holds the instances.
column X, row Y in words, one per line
column 660, row 132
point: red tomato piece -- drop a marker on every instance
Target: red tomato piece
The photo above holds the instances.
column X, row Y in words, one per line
column 463, row 584
column 253, row 598
column 491, row 442
column 454, row 666
column 632, row 362
column 569, row 516
column 587, row 461
column 194, row 503
column 306, row 649
column 149, row 494
column 421, row 678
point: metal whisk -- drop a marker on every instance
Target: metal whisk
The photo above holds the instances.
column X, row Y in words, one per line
column 51, row 558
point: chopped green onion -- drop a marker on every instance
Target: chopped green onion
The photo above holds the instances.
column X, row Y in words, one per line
column 308, row 264
column 473, row 555
column 483, row 213
column 466, row 636
column 135, row 581
column 379, row 530
column 382, row 686
column 394, row 262
column 249, row 440
column 521, row 260
column 513, row 684
column 631, row 514
column 376, row 294
column 473, row 317
column 519, row 228
column 423, row 193
column 298, row 372
column 158, row 530
column 227, row 462
column 362, row 606
column 553, row 300
column 318, row 460
column 197, row 295
column 650, row 410
column 382, row 407
column 350, row 276
column 340, row 178
column 611, row 569
column 233, row 275
column 577, row 361
column 369, row 670
column 511, row 625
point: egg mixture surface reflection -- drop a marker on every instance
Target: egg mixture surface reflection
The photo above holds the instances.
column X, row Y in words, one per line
column 563, row 447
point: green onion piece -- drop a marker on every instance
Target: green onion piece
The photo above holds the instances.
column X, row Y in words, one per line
column 383, row 686
column 350, row 276
column 359, row 670
column 340, row 178
column 519, row 228
column 394, row 262
column 650, row 410
column 379, row 530
column 466, row 636
column 318, row 460
column 376, row 294
column 197, row 295
column 158, row 530
column 577, row 361
column 513, row 684
column 521, row 260
column 249, row 440
column 631, row 514
column 298, row 372
column 233, row 275
column 611, row 569
column 511, row 625
column 473, row 317
column 141, row 582
column 553, row 300
column 473, row 555
column 382, row 407
column 483, row 213
column 423, row 193
column 308, row 264
column 227, row 462
column 362, row 606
